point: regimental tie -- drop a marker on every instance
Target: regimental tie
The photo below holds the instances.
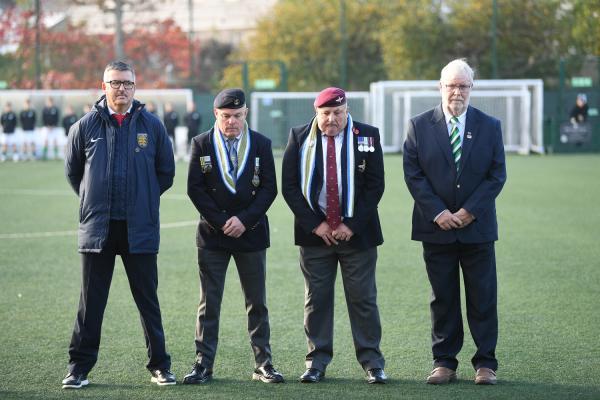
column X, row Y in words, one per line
column 455, row 142
column 331, row 187
column 233, row 159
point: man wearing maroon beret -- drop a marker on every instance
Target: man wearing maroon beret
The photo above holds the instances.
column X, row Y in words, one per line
column 332, row 180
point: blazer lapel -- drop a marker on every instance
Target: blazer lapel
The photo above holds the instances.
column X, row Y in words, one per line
column 470, row 135
column 318, row 172
column 440, row 132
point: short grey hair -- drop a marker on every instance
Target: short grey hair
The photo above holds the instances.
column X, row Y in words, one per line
column 460, row 66
column 118, row 66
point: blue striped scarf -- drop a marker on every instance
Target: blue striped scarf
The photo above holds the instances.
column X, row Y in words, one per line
column 308, row 151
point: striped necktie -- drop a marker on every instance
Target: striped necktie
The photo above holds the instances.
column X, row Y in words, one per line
column 455, row 142
column 233, row 159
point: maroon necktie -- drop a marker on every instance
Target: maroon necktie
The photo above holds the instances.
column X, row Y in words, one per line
column 331, row 186
column 120, row 117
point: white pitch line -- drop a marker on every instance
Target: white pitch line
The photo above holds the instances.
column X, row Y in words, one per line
column 50, row 192
column 36, row 192
column 37, row 235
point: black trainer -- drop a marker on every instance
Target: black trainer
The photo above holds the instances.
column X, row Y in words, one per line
column 163, row 377
column 74, row 381
column 267, row 374
column 198, row 374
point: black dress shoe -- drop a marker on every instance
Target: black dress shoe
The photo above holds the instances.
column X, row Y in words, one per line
column 267, row 374
column 74, row 381
column 312, row 375
column 163, row 377
column 199, row 374
column 376, row 375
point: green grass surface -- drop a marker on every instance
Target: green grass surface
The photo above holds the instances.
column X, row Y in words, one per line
column 548, row 261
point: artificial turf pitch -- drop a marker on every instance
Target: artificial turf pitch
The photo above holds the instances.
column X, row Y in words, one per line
column 548, row 261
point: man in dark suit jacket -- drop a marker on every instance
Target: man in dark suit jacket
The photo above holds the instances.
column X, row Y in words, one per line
column 332, row 180
column 231, row 181
column 454, row 168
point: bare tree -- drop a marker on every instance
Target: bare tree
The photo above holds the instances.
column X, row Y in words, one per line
column 118, row 8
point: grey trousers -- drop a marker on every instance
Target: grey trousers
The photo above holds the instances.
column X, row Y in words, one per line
column 319, row 266
column 252, row 272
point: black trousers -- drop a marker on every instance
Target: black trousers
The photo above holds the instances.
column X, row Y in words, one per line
column 251, row 268
column 97, row 271
column 478, row 264
column 319, row 265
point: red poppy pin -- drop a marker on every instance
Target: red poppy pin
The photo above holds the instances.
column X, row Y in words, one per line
column 355, row 131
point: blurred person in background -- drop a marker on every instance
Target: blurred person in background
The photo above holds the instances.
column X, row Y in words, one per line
column 50, row 132
column 86, row 109
column 27, row 117
column 119, row 215
column 192, row 120
column 579, row 112
column 8, row 119
column 69, row 118
column 171, row 120
column 151, row 108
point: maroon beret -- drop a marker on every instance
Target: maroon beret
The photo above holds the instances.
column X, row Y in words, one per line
column 330, row 97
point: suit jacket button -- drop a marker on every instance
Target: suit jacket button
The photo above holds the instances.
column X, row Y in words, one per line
column 253, row 192
column 458, row 186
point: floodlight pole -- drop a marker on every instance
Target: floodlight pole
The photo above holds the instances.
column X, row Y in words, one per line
column 38, row 66
column 494, row 34
column 343, row 46
column 119, row 51
column 191, row 37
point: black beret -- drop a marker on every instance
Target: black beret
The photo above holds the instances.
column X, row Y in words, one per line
column 230, row 98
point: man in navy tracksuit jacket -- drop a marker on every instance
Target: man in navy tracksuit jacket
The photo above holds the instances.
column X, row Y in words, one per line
column 119, row 160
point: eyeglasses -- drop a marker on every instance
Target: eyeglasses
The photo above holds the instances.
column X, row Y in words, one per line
column 128, row 85
column 462, row 88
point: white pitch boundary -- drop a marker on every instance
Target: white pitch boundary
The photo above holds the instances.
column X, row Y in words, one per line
column 50, row 192
column 38, row 235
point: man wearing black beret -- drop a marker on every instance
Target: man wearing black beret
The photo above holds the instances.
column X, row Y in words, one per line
column 231, row 181
column 332, row 180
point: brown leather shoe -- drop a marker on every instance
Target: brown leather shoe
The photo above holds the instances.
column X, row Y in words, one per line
column 441, row 376
column 485, row 376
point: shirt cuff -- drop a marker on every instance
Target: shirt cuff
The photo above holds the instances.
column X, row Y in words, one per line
column 437, row 216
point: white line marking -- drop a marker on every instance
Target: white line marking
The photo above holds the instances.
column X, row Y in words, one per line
column 50, row 192
column 37, row 235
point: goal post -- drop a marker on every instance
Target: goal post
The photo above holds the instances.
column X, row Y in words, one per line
column 274, row 113
column 517, row 103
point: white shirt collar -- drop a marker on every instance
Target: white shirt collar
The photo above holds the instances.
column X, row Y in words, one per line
column 462, row 118
column 111, row 112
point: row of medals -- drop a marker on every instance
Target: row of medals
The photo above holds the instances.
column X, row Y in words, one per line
column 206, row 166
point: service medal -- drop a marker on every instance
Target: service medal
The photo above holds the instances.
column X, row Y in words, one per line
column 255, row 178
column 205, row 164
column 363, row 144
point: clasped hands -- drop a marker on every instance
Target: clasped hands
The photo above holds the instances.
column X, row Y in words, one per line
column 233, row 227
column 459, row 219
column 331, row 236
